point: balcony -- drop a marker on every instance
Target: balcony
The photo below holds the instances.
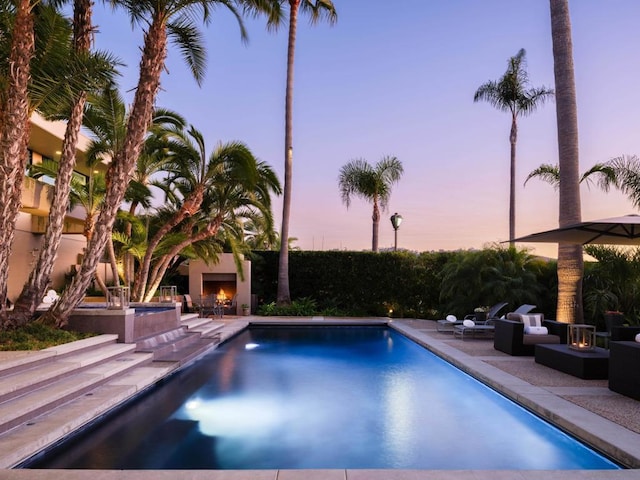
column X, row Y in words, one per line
column 36, row 200
column 36, row 197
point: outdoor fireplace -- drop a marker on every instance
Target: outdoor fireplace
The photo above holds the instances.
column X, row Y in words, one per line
column 222, row 285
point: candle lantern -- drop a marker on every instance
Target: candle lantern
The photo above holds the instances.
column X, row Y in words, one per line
column 582, row 337
column 118, row 298
column 168, row 294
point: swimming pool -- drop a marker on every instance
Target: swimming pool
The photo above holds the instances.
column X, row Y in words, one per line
column 323, row 397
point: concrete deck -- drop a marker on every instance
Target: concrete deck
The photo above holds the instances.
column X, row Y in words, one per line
column 586, row 408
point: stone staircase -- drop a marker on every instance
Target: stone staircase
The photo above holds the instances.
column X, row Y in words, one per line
column 46, row 394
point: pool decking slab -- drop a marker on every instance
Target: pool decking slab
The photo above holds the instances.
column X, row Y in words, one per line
column 557, row 397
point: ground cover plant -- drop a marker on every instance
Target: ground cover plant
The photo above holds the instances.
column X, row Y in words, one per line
column 36, row 336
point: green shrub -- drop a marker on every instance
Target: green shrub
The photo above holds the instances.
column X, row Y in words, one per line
column 405, row 284
column 36, row 336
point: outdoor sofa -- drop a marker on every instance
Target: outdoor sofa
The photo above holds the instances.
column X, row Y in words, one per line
column 624, row 362
column 510, row 337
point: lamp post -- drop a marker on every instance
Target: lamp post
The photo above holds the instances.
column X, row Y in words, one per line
column 396, row 220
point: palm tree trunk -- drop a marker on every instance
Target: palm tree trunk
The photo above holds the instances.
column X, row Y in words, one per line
column 163, row 262
column 189, row 207
column 120, row 168
column 376, row 222
column 570, row 261
column 284, row 295
column 14, row 134
column 39, row 279
column 127, row 257
column 113, row 262
column 513, row 139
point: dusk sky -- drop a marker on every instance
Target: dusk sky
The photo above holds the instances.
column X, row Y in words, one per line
column 398, row 78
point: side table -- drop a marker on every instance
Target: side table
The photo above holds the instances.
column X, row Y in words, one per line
column 588, row 365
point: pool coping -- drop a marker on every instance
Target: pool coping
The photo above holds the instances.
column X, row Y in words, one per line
column 603, row 434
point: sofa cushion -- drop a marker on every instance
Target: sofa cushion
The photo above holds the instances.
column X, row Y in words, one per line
column 536, row 339
column 536, row 330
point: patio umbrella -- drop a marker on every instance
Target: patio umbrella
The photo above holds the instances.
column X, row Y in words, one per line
column 608, row 231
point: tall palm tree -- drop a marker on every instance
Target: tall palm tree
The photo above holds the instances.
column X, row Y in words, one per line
column 61, row 69
column 511, row 94
column 39, row 278
column 317, row 9
column 373, row 184
column 161, row 20
column 570, row 261
column 14, row 115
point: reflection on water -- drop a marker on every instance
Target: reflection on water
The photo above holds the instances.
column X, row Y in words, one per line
column 324, row 397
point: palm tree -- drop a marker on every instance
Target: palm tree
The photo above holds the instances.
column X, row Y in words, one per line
column 38, row 281
column 317, row 9
column 89, row 194
column 604, row 173
column 213, row 196
column 570, row 261
column 106, row 118
column 510, row 94
column 161, row 19
column 371, row 183
column 59, row 72
column 14, row 115
column 627, row 176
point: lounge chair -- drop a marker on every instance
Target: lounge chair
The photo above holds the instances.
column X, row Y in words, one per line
column 470, row 328
column 448, row 323
column 491, row 313
column 451, row 321
column 524, row 309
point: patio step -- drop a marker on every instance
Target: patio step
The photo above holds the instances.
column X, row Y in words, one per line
column 36, row 374
column 189, row 352
column 170, row 345
column 185, row 317
column 15, row 361
column 195, row 322
column 209, row 329
column 42, row 396
column 40, row 432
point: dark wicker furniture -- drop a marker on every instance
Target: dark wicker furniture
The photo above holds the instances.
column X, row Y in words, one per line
column 509, row 336
column 624, row 333
column 624, row 368
column 588, row 365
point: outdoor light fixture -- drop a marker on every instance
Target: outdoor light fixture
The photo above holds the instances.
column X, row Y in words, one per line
column 582, row 337
column 168, row 294
column 396, row 220
column 118, row 298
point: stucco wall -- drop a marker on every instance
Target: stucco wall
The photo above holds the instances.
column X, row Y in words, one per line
column 24, row 253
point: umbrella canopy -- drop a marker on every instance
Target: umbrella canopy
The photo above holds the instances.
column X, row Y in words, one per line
column 608, row 231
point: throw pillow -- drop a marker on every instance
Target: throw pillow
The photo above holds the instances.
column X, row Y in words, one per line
column 469, row 323
column 532, row 320
column 638, row 338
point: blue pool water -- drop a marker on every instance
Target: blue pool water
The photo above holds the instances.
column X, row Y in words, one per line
column 327, row 397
